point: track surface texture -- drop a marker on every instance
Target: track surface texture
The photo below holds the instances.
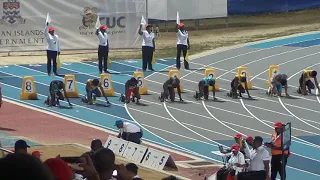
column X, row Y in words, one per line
column 198, row 127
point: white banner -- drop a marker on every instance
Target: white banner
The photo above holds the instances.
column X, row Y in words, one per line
column 22, row 23
column 188, row 9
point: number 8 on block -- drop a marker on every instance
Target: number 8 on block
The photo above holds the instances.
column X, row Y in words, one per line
column 70, row 85
column 28, row 90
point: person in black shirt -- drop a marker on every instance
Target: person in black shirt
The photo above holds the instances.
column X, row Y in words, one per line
column 168, row 89
column 131, row 87
column 236, row 85
column 56, row 94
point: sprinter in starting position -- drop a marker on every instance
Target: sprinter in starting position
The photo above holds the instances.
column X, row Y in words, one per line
column 131, row 88
column 236, row 85
column 306, row 83
column 277, row 83
column 94, row 89
column 204, row 85
column 168, row 89
column 55, row 89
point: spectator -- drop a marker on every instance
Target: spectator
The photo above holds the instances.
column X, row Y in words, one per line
column 104, row 160
column 133, row 169
column 36, row 154
column 96, row 144
column 235, row 164
column 59, row 169
column 129, row 132
column 21, row 146
column 276, row 152
column 259, row 163
column 23, row 166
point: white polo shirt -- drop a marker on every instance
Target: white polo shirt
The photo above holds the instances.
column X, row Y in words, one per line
column 53, row 41
column 147, row 38
column 182, row 37
column 257, row 158
column 103, row 38
column 130, row 128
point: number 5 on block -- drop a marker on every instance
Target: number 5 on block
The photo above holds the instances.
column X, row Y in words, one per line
column 71, row 86
column 28, row 90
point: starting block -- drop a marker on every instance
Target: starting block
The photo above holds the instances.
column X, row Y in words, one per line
column 28, row 90
column 273, row 71
column 243, row 70
column 141, row 82
column 71, row 86
column 106, row 83
column 176, row 73
column 211, row 72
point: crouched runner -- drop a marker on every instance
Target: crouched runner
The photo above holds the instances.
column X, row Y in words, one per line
column 168, row 89
column 131, row 88
column 236, row 85
column 277, row 83
column 94, row 90
column 55, row 89
column 204, row 85
column 306, row 83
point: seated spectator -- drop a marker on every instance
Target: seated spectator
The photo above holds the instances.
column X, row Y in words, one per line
column 59, row 169
column 133, row 169
column 36, row 154
column 235, row 164
column 23, row 166
column 259, row 162
column 129, row 132
column 21, row 146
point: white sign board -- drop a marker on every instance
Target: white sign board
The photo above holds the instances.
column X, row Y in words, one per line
column 135, row 152
column 22, row 23
column 155, row 159
column 117, row 145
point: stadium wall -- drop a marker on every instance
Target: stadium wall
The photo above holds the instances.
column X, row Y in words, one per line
column 247, row 7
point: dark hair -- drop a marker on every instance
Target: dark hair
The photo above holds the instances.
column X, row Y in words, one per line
column 132, row 168
column 258, row 139
column 283, row 81
column 23, row 166
column 170, row 178
column 313, row 73
column 60, row 84
column 243, row 79
column 96, row 144
column 211, row 82
column 95, row 82
column 104, row 160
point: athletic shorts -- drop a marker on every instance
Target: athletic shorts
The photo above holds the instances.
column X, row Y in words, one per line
column 279, row 87
column 96, row 92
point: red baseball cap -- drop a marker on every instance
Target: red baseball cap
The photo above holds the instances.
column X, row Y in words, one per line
column 36, row 153
column 148, row 25
column 235, row 147
column 239, row 136
column 51, row 29
column 103, row 27
column 59, row 168
column 181, row 25
column 278, row 124
column 248, row 138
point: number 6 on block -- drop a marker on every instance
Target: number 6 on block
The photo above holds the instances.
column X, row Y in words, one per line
column 134, row 152
column 141, row 82
column 155, row 159
column 106, row 83
column 70, row 85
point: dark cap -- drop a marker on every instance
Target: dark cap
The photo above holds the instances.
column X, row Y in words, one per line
column 21, row 144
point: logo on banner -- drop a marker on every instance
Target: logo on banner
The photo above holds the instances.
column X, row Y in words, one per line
column 89, row 18
column 11, row 13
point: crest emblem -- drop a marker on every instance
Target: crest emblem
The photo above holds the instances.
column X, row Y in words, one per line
column 89, row 18
column 11, row 13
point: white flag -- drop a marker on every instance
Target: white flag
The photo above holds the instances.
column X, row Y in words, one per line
column 98, row 24
column 178, row 18
column 48, row 19
column 143, row 21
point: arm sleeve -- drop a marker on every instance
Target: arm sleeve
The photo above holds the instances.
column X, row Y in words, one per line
column 46, row 32
column 265, row 156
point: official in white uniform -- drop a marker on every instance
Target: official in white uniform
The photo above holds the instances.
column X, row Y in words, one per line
column 103, row 50
column 53, row 49
column 182, row 45
column 129, row 132
column 148, row 47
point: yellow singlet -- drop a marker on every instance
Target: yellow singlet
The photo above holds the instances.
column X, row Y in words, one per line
column 91, row 87
column 307, row 73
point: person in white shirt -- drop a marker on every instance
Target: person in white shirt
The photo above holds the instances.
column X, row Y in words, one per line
column 148, row 47
column 129, row 132
column 259, row 163
column 53, row 49
column 103, row 50
column 182, row 45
